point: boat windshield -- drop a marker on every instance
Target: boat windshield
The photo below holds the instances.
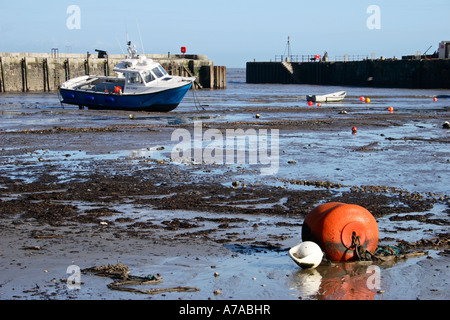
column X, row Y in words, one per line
column 157, row 72
column 148, row 76
column 162, row 70
column 134, row 77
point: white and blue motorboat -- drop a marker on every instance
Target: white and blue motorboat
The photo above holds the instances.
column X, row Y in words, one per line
column 141, row 84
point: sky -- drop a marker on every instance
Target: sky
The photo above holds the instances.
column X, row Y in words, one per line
column 230, row 32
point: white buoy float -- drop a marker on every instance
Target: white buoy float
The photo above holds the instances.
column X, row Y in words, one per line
column 307, row 254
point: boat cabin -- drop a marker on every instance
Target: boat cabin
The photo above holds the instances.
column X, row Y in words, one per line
column 134, row 76
column 141, row 73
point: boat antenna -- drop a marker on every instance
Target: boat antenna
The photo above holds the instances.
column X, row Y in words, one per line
column 139, row 31
column 118, row 42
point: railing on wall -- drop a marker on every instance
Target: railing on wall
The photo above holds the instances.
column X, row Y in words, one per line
column 316, row 58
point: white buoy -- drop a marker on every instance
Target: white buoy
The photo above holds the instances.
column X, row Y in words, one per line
column 307, row 254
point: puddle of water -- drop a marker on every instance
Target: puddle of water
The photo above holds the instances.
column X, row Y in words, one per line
column 69, row 163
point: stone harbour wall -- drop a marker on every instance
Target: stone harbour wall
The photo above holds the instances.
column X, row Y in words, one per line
column 41, row 72
column 418, row 74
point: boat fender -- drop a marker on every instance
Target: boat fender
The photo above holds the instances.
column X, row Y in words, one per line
column 306, row 255
column 90, row 98
column 118, row 89
column 70, row 96
column 110, row 99
column 341, row 229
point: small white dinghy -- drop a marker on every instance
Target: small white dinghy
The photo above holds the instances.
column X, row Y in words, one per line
column 332, row 97
column 307, row 254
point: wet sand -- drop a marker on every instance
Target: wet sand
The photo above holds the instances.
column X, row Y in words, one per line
column 91, row 189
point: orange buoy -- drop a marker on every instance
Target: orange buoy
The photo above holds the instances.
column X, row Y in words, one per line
column 319, row 104
column 310, row 103
column 434, row 99
column 367, row 100
column 390, row 109
column 354, row 130
column 362, row 98
column 340, row 228
column 117, row 89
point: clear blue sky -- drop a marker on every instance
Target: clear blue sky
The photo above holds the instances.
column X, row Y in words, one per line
column 230, row 32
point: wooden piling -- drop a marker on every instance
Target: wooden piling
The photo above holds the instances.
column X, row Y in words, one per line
column 45, row 75
column 206, row 75
column 66, row 69
column 220, row 77
column 213, row 77
column 24, row 70
column 106, row 67
column 2, row 76
column 86, row 66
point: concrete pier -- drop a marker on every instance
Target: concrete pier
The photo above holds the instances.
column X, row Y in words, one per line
column 45, row 72
column 423, row 74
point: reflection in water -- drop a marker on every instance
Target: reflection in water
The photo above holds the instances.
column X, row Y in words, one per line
column 341, row 281
column 307, row 282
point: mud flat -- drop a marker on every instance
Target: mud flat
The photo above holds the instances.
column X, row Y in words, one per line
column 82, row 188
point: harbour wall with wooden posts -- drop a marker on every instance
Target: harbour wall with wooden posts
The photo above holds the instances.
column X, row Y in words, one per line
column 45, row 72
column 405, row 73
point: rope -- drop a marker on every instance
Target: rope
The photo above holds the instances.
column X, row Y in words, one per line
column 196, row 100
column 60, row 98
column 389, row 250
column 382, row 253
column 393, row 253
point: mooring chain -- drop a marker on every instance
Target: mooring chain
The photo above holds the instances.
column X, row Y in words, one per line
column 356, row 243
column 361, row 252
column 196, row 100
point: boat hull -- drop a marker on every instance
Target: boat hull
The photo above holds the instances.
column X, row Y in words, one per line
column 161, row 101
